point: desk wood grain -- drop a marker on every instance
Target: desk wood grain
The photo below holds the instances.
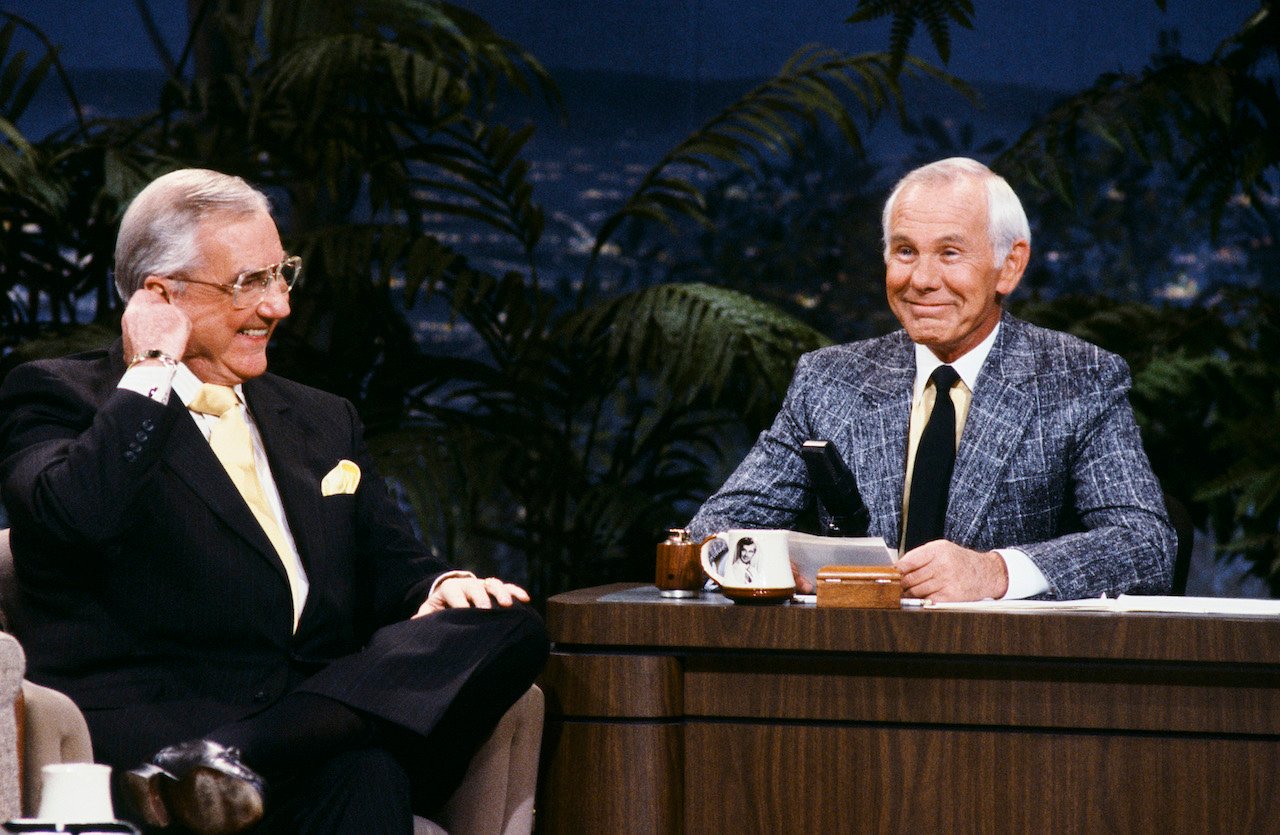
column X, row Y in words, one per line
column 579, row 617
column 706, row 717
column 793, row 778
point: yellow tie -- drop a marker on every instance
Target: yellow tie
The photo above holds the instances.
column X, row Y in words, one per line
column 231, row 443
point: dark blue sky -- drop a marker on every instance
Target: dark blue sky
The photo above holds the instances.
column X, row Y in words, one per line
column 1054, row 43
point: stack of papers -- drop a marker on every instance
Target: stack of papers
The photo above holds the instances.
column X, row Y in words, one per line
column 810, row 553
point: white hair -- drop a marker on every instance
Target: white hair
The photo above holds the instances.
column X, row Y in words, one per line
column 1006, row 219
column 158, row 231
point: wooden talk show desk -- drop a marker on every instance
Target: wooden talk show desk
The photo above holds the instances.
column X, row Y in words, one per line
column 709, row 717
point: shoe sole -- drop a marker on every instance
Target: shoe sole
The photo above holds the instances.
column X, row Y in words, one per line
column 210, row 802
column 142, row 786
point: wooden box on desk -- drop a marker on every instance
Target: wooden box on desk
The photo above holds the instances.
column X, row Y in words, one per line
column 860, row 586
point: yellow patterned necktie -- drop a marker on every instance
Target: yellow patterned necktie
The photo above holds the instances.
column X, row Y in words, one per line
column 233, row 446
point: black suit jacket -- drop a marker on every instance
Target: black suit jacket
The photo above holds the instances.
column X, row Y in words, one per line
column 143, row 576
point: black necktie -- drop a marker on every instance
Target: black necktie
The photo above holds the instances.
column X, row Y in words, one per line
column 935, row 458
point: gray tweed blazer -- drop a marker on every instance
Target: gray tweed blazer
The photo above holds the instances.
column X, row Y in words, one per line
column 1050, row 460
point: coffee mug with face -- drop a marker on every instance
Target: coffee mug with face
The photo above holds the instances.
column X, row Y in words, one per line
column 756, row 567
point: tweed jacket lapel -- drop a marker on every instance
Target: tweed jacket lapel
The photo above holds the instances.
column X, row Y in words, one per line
column 880, row 435
column 999, row 418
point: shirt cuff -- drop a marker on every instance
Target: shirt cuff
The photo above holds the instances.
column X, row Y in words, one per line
column 153, row 381
column 1025, row 579
column 448, row 575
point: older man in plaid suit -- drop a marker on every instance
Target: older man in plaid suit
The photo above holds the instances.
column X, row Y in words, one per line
column 1028, row 479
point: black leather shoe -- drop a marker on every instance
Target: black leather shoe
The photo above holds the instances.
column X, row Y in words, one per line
column 199, row 784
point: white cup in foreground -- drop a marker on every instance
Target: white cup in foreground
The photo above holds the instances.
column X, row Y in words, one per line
column 76, row 793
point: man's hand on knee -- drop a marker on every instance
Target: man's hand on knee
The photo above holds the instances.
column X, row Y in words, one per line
column 469, row 592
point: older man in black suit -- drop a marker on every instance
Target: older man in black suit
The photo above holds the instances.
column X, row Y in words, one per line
column 210, row 566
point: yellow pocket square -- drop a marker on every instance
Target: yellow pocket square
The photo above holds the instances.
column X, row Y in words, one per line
column 344, row 478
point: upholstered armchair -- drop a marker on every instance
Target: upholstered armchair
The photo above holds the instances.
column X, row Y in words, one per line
column 40, row 726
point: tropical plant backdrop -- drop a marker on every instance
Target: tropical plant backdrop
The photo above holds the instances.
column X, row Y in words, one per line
column 597, row 402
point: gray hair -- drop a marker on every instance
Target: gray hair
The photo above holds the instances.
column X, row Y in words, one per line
column 1006, row 219
column 158, row 231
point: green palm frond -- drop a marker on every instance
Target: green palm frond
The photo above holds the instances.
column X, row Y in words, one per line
column 449, row 476
column 325, row 75
column 701, row 340
column 511, row 316
column 1145, row 114
column 1214, row 121
column 17, row 87
column 426, row 43
column 937, row 16
column 17, row 83
column 24, row 174
column 476, row 172
column 1179, row 378
column 361, row 268
column 1254, row 487
column 1256, row 39
column 766, row 121
column 1250, row 482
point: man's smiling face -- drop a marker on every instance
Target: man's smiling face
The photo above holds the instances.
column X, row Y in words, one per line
column 228, row 346
column 941, row 277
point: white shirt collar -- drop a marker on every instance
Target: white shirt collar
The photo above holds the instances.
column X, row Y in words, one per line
column 968, row 366
column 187, row 385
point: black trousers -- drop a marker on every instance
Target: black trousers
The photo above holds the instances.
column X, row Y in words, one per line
column 432, row 690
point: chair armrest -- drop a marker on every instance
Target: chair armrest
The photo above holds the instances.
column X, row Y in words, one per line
column 12, row 665
column 55, row 732
column 496, row 796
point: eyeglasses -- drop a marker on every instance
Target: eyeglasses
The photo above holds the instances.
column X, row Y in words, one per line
column 250, row 287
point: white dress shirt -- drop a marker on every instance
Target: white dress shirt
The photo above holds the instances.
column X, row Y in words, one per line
column 1025, row 579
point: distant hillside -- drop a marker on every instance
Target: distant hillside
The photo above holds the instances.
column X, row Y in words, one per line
column 607, row 105
column 651, row 111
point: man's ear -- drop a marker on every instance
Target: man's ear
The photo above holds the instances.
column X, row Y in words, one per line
column 156, row 284
column 1015, row 264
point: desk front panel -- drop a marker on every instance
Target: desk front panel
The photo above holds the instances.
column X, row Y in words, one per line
column 762, row 778
column 718, row 718
column 1007, row 692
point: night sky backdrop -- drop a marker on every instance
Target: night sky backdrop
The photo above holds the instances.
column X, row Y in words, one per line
column 1061, row 44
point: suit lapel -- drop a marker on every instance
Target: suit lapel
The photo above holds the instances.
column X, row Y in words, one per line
column 880, row 436
column 995, row 426
column 190, row 457
column 286, row 440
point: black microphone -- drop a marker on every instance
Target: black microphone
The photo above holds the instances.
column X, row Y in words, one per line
column 836, row 490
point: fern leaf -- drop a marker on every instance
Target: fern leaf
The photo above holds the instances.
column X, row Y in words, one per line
column 762, row 122
column 936, row 15
column 1212, row 121
column 702, row 341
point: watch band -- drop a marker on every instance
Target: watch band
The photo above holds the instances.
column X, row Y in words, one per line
column 153, row 354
